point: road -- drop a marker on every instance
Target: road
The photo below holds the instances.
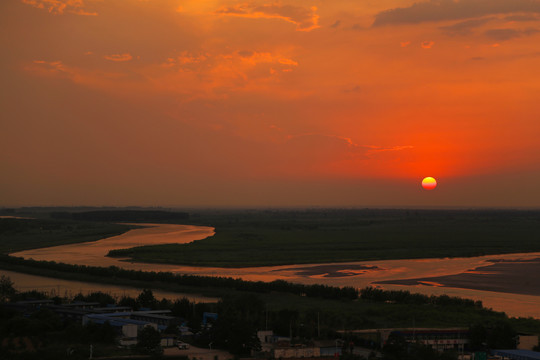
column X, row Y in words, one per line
column 199, row 353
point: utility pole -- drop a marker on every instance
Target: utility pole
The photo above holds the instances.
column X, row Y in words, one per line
column 318, row 325
column 290, row 330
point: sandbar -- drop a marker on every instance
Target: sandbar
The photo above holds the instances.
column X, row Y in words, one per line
column 502, row 275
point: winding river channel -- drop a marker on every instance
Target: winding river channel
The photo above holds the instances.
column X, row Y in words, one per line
column 507, row 282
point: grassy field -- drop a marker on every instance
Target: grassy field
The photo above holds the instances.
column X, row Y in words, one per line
column 23, row 234
column 258, row 238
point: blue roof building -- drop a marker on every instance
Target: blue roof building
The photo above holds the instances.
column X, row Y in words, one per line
column 517, row 354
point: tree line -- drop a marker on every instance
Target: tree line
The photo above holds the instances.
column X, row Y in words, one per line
column 122, row 215
column 316, row 291
column 405, row 297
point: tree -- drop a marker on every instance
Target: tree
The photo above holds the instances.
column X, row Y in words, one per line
column 146, row 299
column 183, row 308
column 6, row 288
column 128, row 301
column 101, row 333
column 237, row 323
column 494, row 335
column 501, row 335
column 477, row 336
column 395, row 348
column 148, row 340
column 102, row 298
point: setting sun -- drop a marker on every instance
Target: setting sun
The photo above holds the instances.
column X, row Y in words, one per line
column 429, row 183
column 269, row 103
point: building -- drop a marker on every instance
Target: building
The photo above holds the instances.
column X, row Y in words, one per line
column 438, row 339
column 516, row 354
column 527, row 342
column 127, row 328
column 126, row 322
column 158, row 317
column 296, row 352
column 279, row 347
column 84, row 305
column 28, row 305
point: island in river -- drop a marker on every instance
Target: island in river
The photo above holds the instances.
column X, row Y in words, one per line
column 514, row 276
column 282, row 236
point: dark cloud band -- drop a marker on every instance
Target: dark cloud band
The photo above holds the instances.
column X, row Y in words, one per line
column 441, row 10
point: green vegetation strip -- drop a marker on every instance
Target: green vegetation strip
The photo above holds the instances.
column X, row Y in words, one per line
column 265, row 238
column 24, row 234
column 279, row 286
column 150, row 277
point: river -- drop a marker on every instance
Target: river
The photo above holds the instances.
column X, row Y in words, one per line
column 511, row 299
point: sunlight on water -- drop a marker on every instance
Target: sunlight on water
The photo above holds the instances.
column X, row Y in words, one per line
column 69, row 288
column 357, row 274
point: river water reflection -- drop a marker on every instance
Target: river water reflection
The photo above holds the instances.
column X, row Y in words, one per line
column 70, row 288
column 357, row 274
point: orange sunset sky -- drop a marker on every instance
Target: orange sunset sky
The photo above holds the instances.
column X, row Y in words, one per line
column 269, row 103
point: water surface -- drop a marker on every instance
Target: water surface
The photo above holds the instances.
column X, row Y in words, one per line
column 385, row 273
column 70, row 288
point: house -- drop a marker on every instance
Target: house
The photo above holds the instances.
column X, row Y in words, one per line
column 81, row 305
column 527, row 342
column 438, row 339
column 516, row 354
column 127, row 328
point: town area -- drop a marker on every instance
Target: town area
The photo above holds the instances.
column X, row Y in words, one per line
column 96, row 325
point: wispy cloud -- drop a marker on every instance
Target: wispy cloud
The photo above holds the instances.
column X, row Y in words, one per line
column 526, row 17
column 240, row 61
column 107, row 81
column 119, row 57
column 305, row 19
column 464, row 28
column 47, row 67
column 427, row 44
column 285, row 61
column 335, row 148
column 508, row 34
column 336, row 24
column 379, row 149
column 353, row 89
column 59, row 7
column 442, row 10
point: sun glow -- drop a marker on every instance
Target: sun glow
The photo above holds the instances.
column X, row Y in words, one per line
column 429, row 183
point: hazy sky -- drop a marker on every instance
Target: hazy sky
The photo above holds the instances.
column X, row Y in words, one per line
column 269, row 103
